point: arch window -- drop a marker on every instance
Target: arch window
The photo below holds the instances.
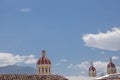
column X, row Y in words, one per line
column 39, row 70
column 42, row 69
column 46, row 69
column 49, row 69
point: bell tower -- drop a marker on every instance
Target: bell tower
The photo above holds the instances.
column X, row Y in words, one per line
column 111, row 68
column 92, row 71
column 43, row 65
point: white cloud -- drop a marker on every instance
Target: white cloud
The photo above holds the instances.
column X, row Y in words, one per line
column 30, row 59
column 99, row 65
column 115, row 57
column 25, row 10
column 82, row 72
column 84, row 65
column 11, row 59
column 108, row 41
column 64, row 60
column 70, row 66
column 79, row 78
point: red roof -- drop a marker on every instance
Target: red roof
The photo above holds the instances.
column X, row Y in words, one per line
column 92, row 68
column 111, row 65
column 43, row 60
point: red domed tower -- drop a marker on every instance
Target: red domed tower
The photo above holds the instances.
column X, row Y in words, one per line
column 43, row 65
column 111, row 68
column 92, row 71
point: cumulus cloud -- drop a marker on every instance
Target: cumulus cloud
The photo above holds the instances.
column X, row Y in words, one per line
column 70, row 66
column 115, row 57
column 82, row 72
column 25, row 10
column 99, row 65
column 64, row 60
column 11, row 59
column 30, row 59
column 107, row 41
column 83, row 65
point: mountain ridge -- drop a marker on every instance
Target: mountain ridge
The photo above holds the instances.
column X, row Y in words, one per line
column 15, row 69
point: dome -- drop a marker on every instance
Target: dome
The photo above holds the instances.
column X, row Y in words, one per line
column 92, row 68
column 43, row 59
column 110, row 64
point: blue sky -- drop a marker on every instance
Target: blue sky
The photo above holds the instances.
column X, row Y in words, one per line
column 29, row 26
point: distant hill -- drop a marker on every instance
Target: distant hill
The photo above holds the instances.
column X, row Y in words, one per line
column 14, row 69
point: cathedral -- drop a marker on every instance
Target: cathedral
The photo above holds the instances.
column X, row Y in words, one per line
column 111, row 72
column 92, row 71
column 43, row 65
column 111, row 69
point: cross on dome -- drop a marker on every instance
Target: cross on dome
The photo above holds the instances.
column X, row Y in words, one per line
column 91, row 63
column 110, row 59
column 43, row 53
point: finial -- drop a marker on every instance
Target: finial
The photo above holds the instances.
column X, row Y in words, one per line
column 110, row 59
column 43, row 53
column 91, row 63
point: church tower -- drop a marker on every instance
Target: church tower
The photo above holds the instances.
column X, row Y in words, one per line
column 92, row 71
column 43, row 65
column 111, row 68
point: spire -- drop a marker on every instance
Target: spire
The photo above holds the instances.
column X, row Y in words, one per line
column 92, row 70
column 110, row 59
column 91, row 63
column 111, row 68
column 43, row 53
